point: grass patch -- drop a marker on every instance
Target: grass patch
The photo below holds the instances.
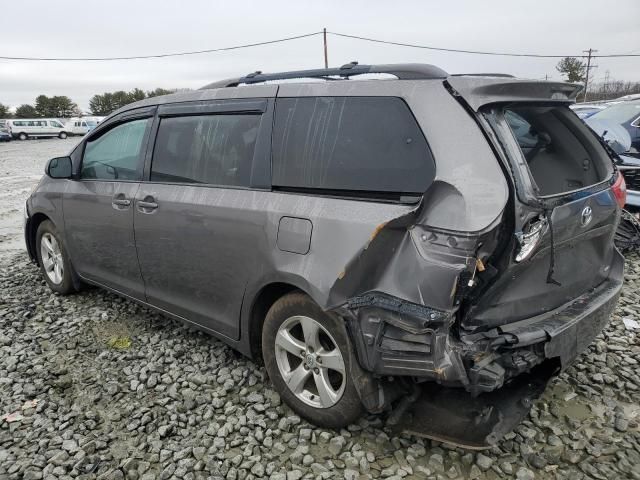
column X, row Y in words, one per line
column 119, row 343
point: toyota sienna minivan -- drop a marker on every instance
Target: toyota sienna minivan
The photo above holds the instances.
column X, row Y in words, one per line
column 428, row 245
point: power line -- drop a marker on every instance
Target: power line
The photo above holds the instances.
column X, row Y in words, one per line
column 323, row 32
column 474, row 52
column 162, row 55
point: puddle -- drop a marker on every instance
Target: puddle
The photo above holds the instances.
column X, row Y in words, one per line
column 566, row 402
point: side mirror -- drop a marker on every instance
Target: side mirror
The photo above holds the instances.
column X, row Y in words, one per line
column 59, row 167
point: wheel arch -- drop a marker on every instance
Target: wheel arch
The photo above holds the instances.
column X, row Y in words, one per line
column 32, row 229
column 262, row 302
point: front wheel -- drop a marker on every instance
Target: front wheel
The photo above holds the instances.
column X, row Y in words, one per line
column 62, row 135
column 23, row 136
column 307, row 357
column 53, row 259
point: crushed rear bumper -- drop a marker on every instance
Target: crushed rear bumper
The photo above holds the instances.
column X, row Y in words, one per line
column 474, row 422
column 565, row 332
column 498, row 372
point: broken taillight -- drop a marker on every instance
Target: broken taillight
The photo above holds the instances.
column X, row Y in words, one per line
column 619, row 190
column 530, row 237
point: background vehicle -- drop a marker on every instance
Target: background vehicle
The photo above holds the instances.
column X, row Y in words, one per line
column 585, row 110
column 341, row 231
column 24, row 128
column 83, row 125
column 626, row 114
column 5, row 135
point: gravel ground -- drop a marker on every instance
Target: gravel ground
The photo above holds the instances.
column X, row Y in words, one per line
column 21, row 166
column 94, row 386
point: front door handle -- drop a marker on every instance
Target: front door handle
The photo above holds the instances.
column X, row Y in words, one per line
column 120, row 202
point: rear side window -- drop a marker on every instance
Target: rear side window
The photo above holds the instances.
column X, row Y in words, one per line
column 370, row 144
column 208, row 149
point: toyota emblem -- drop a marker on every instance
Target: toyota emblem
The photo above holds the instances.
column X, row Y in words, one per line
column 587, row 215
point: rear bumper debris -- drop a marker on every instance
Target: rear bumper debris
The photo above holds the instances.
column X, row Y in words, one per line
column 474, row 422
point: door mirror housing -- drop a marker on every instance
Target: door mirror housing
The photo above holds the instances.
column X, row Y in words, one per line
column 59, row 167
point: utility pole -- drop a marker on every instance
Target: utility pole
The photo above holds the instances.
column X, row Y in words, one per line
column 589, row 52
column 326, row 58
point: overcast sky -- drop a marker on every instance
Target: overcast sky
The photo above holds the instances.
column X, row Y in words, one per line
column 126, row 28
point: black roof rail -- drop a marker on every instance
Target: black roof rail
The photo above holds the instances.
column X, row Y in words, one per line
column 501, row 75
column 402, row 71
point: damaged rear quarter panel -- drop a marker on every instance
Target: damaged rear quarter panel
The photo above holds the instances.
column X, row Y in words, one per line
column 418, row 256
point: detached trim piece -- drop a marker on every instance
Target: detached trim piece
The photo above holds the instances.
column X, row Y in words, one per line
column 396, row 337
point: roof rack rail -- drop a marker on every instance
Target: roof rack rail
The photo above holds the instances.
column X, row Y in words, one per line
column 402, row 71
column 501, row 75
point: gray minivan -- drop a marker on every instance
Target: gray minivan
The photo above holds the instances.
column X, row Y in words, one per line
column 431, row 245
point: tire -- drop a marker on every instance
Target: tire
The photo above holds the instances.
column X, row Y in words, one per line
column 339, row 404
column 62, row 135
column 55, row 266
column 23, row 136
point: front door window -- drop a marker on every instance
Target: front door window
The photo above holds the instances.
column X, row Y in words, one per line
column 116, row 154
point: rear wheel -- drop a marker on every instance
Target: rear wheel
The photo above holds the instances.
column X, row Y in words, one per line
column 23, row 136
column 53, row 259
column 62, row 135
column 307, row 357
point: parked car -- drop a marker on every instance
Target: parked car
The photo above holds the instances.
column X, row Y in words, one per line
column 626, row 114
column 342, row 232
column 24, row 128
column 5, row 135
column 629, row 166
column 585, row 110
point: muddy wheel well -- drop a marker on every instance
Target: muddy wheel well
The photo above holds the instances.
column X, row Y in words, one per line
column 261, row 305
column 35, row 222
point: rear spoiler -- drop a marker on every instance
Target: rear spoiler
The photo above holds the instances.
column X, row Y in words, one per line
column 480, row 91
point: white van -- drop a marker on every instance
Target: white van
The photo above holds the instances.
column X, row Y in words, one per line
column 24, row 128
column 82, row 126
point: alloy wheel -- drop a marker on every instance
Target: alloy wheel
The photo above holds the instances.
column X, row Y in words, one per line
column 310, row 361
column 52, row 260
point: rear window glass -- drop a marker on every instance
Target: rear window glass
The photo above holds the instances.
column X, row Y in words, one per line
column 562, row 154
column 349, row 143
column 209, row 149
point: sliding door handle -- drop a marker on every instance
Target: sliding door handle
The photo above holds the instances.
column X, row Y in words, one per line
column 148, row 205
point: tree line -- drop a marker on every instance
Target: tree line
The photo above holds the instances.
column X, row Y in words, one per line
column 575, row 71
column 64, row 107
column 110, row 101
column 51, row 107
